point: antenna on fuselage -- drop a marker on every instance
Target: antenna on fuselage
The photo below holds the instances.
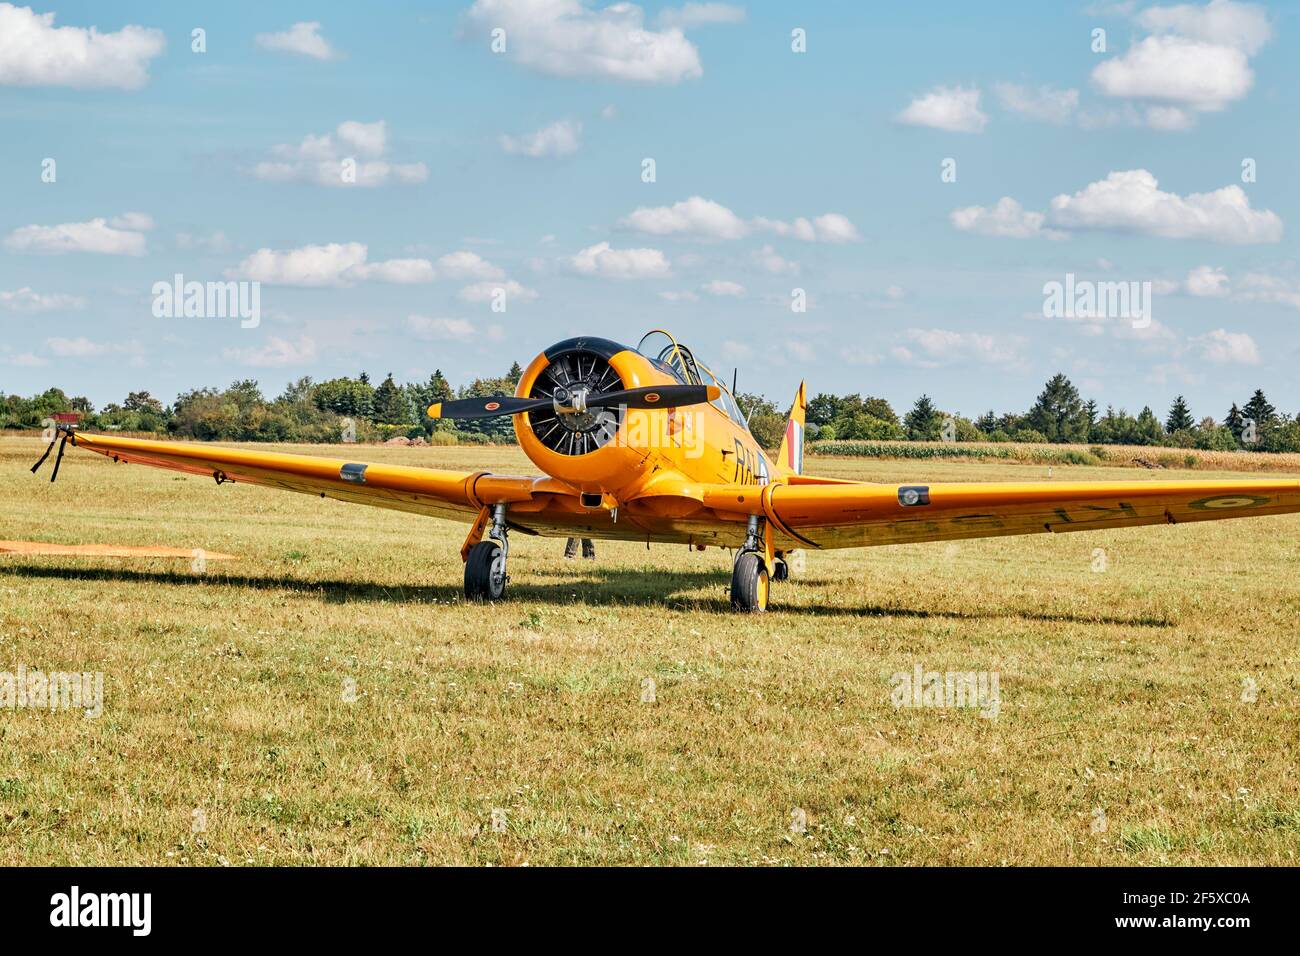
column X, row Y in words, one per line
column 734, row 372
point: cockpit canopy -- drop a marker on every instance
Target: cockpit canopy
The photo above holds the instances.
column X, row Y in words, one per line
column 675, row 359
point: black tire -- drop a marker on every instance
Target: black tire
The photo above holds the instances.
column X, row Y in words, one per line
column 782, row 572
column 485, row 572
column 749, row 584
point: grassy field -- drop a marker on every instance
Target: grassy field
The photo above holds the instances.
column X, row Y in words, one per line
column 328, row 698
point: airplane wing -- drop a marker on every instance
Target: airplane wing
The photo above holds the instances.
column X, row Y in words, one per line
column 444, row 494
column 854, row 515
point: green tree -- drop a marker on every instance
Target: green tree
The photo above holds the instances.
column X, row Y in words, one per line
column 390, row 405
column 1179, row 417
column 1259, row 410
column 1058, row 413
column 345, row 396
column 1149, row 430
column 923, row 422
column 1235, row 422
column 823, row 409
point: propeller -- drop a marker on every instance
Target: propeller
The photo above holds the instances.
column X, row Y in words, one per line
column 572, row 401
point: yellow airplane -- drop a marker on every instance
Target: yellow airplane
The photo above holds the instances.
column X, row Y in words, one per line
column 647, row 444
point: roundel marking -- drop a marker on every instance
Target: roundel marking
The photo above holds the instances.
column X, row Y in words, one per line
column 492, row 406
column 1228, row 501
column 652, row 397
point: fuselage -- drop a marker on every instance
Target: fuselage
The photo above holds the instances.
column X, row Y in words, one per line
column 685, row 449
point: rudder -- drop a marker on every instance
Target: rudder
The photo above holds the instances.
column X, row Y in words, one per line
column 789, row 459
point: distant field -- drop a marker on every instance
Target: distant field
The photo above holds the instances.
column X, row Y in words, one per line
column 1121, row 456
column 328, row 698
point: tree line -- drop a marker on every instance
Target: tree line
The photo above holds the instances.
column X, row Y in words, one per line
column 1060, row 415
column 340, row 409
column 357, row 409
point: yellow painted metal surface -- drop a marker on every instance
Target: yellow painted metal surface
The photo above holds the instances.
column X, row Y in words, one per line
column 692, row 475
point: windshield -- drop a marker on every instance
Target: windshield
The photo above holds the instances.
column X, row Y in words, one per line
column 675, row 359
column 670, row 356
column 725, row 403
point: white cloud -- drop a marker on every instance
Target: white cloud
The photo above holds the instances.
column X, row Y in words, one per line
column 561, row 138
column 724, row 287
column 1261, row 287
column 570, row 38
column 602, row 260
column 831, row 227
column 1244, row 26
column 692, row 15
column 451, row 330
column 933, row 348
column 276, row 353
column 26, row 300
column 1208, row 281
column 698, row 217
column 771, row 262
column 26, row 360
column 1203, row 76
column 353, row 155
column 737, row 352
column 82, row 347
column 34, row 52
column 1130, row 201
column 368, row 139
column 1228, row 348
column 1195, row 61
column 685, row 295
column 801, row 351
column 398, row 271
column 701, row 218
column 303, row 38
column 216, row 244
column 1007, row 219
column 1169, row 118
column 488, row 291
column 1045, row 104
column 467, row 265
column 955, row 109
column 335, row 264
column 95, row 236
column 134, row 221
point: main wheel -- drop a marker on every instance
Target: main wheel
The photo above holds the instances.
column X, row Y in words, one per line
column 749, row 584
column 485, row 572
column 782, row 572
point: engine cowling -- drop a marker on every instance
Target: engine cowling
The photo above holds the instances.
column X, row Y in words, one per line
column 585, row 447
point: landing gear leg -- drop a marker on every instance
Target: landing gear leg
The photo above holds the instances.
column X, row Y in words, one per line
column 485, row 566
column 750, row 584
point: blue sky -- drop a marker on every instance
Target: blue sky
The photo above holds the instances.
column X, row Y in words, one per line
column 774, row 170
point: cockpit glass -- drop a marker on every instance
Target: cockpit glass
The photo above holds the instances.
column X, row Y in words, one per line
column 662, row 349
column 675, row 359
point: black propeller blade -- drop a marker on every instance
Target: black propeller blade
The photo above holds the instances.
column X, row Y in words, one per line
column 656, row 396
column 489, row 407
column 651, row 396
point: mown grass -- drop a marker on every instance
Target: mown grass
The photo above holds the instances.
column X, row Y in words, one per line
column 328, row 698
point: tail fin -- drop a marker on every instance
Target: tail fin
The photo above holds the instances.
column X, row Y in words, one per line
column 789, row 460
